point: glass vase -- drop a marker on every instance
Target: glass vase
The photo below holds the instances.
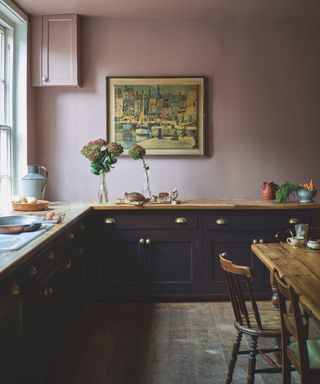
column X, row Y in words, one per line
column 146, row 191
column 103, row 191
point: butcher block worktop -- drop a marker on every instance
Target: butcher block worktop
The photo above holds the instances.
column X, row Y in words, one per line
column 74, row 211
column 213, row 204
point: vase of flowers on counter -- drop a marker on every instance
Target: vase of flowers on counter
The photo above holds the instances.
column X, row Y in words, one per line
column 102, row 157
column 137, row 152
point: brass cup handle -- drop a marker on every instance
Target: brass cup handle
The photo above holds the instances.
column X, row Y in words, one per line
column 110, row 220
column 181, row 220
column 141, row 241
column 71, row 236
column 148, row 241
column 15, row 290
column 221, row 221
column 33, row 270
column 294, row 220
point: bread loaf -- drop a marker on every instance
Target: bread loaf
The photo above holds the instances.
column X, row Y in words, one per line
column 134, row 196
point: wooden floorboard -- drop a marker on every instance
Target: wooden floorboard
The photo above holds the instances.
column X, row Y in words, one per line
column 154, row 343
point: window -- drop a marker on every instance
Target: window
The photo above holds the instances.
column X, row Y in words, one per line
column 5, row 112
column 13, row 99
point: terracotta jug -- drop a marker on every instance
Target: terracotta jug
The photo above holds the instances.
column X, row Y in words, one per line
column 269, row 190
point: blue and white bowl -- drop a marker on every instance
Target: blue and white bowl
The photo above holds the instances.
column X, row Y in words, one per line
column 306, row 195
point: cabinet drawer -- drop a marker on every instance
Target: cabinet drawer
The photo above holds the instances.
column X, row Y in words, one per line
column 159, row 220
column 262, row 221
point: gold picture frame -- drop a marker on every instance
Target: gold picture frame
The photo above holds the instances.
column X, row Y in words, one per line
column 165, row 115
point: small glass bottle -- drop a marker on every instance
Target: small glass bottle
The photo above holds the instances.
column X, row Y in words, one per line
column 103, row 191
column 146, row 191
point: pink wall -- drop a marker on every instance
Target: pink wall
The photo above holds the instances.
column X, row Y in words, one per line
column 263, row 104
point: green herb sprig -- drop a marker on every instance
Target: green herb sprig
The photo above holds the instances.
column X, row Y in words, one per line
column 284, row 191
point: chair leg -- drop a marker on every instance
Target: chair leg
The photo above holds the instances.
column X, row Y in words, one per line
column 286, row 367
column 234, row 355
column 252, row 360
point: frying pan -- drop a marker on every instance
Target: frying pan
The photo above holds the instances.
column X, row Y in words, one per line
column 18, row 224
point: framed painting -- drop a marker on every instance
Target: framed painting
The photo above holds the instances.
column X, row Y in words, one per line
column 165, row 115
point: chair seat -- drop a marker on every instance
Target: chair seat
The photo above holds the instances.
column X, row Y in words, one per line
column 313, row 351
column 271, row 324
column 270, row 321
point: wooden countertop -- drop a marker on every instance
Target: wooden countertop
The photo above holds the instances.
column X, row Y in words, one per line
column 212, row 204
column 10, row 260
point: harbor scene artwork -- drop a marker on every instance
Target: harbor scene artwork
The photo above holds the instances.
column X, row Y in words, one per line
column 164, row 115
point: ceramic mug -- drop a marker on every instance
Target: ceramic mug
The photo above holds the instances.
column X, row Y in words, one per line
column 313, row 244
column 295, row 241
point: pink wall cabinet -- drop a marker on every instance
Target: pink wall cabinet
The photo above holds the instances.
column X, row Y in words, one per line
column 55, row 50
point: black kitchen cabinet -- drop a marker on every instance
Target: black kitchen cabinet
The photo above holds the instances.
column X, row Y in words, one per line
column 10, row 352
column 234, row 233
column 175, row 254
column 39, row 304
column 144, row 255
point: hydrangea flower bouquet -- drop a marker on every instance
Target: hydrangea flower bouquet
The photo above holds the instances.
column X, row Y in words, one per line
column 102, row 157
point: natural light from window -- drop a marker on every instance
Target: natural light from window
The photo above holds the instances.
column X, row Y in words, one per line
column 13, row 98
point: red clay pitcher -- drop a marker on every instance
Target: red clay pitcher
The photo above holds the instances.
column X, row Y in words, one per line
column 269, row 190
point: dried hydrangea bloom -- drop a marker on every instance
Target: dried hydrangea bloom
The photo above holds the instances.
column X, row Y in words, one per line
column 115, row 148
column 137, row 152
column 92, row 150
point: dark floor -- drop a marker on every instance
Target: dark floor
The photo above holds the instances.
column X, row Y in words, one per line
column 153, row 343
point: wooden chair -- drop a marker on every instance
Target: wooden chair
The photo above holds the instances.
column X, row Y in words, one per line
column 249, row 320
column 297, row 349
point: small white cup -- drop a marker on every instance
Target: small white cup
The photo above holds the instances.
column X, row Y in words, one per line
column 295, row 241
column 313, row 244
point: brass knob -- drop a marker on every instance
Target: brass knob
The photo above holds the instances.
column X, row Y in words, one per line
column 148, row 241
column 15, row 290
column 46, row 291
column 181, row 220
column 141, row 241
column 51, row 255
column 261, row 241
column 68, row 265
column 110, row 220
column 33, row 270
column 254, row 241
column 71, row 236
column 221, row 221
column 294, row 220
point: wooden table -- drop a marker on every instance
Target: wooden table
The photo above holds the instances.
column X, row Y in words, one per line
column 299, row 266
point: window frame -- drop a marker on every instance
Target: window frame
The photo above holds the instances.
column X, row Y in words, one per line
column 16, row 23
column 6, row 128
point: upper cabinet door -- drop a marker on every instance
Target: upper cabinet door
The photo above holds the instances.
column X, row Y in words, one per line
column 55, row 50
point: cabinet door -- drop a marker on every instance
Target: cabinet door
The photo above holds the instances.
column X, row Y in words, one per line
column 120, row 264
column 32, row 328
column 236, row 245
column 59, row 64
column 172, row 261
column 10, row 336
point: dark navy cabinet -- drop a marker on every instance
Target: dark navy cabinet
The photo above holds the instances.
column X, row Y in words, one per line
column 174, row 254
column 144, row 254
column 39, row 303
